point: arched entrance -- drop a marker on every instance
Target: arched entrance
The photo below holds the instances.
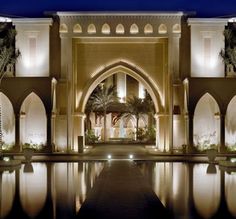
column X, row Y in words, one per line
column 206, row 127
column 7, row 123
column 136, row 73
column 33, row 123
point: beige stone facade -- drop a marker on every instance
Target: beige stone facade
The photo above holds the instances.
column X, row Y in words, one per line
column 165, row 53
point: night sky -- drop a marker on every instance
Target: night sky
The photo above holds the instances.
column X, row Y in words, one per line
column 36, row 8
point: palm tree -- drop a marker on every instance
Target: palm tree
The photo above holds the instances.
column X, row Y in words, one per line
column 136, row 107
column 229, row 53
column 102, row 99
column 8, row 55
column 149, row 108
column 89, row 107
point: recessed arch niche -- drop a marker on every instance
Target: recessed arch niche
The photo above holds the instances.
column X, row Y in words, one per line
column 230, row 125
column 91, row 29
column 7, row 122
column 176, row 28
column 206, row 123
column 162, row 29
column 120, row 29
column 63, row 28
column 134, row 29
column 106, row 29
column 148, row 29
column 77, row 28
column 33, row 122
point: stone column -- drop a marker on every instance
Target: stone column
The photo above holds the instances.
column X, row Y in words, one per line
column 160, row 132
column 79, row 130
column 218, row 135
column 222, row 133
column 49, row 137
column 54, row 112
column 17, row 132
column 190, row 133
column 186, row 134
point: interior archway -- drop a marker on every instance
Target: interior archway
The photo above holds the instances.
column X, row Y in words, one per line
column 33, row 123
column 7, row 122
column 206, row 125
column 127, row 69
column 230, row 125
column 122, row 121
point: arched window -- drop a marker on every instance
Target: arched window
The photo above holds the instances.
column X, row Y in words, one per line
column 77, row 28
column 134, row 29
column 162, row 29
column 63, row 28
column 7, row 122
column 206, row 125
column 230, row 125
column 176, row 28
column 148, row 29
column 120, row 29
column 91, row 29
column 106, row 29
column 33, row 123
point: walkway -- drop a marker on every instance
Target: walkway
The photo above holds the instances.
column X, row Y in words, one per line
column 118, row 150
column 121, row 192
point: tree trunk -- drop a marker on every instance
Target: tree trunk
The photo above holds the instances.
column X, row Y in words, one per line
column 137, row 120
column 88, row 126
column 105, row 125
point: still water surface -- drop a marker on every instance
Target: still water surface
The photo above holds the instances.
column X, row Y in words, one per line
column 57, row 190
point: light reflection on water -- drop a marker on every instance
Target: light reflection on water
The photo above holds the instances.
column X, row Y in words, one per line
column 191, row 190
column 57, row 190
column 46, row 190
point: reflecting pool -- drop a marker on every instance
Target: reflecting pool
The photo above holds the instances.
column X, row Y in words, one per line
column 57, row 190
column 191, row 190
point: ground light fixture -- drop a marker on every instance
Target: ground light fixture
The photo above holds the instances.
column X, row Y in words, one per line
column 233, row 160
column 131, row 156
column 6, row 159
column 109, row 156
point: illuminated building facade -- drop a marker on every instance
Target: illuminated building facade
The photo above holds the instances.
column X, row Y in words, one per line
column 175, row 58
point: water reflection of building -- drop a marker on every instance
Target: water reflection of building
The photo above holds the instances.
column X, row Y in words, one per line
column 51, row 191
column 188, row 191
column 57, row 190
column 175, row 58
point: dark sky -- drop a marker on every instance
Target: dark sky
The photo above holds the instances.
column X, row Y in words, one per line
column 36, row 8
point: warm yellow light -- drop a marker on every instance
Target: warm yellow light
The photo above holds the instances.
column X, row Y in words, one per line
column 106, row 29
column 6, row 159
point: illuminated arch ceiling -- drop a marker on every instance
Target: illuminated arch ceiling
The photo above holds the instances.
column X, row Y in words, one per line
column 124, row 68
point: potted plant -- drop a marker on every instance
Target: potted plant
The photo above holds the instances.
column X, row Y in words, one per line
column 211, row 153
column 28, row 151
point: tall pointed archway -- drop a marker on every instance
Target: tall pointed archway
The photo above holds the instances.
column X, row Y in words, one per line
column 230, row 125
column 33, row 123
column 7, row 122
column 206, row 124
column 136, row 73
